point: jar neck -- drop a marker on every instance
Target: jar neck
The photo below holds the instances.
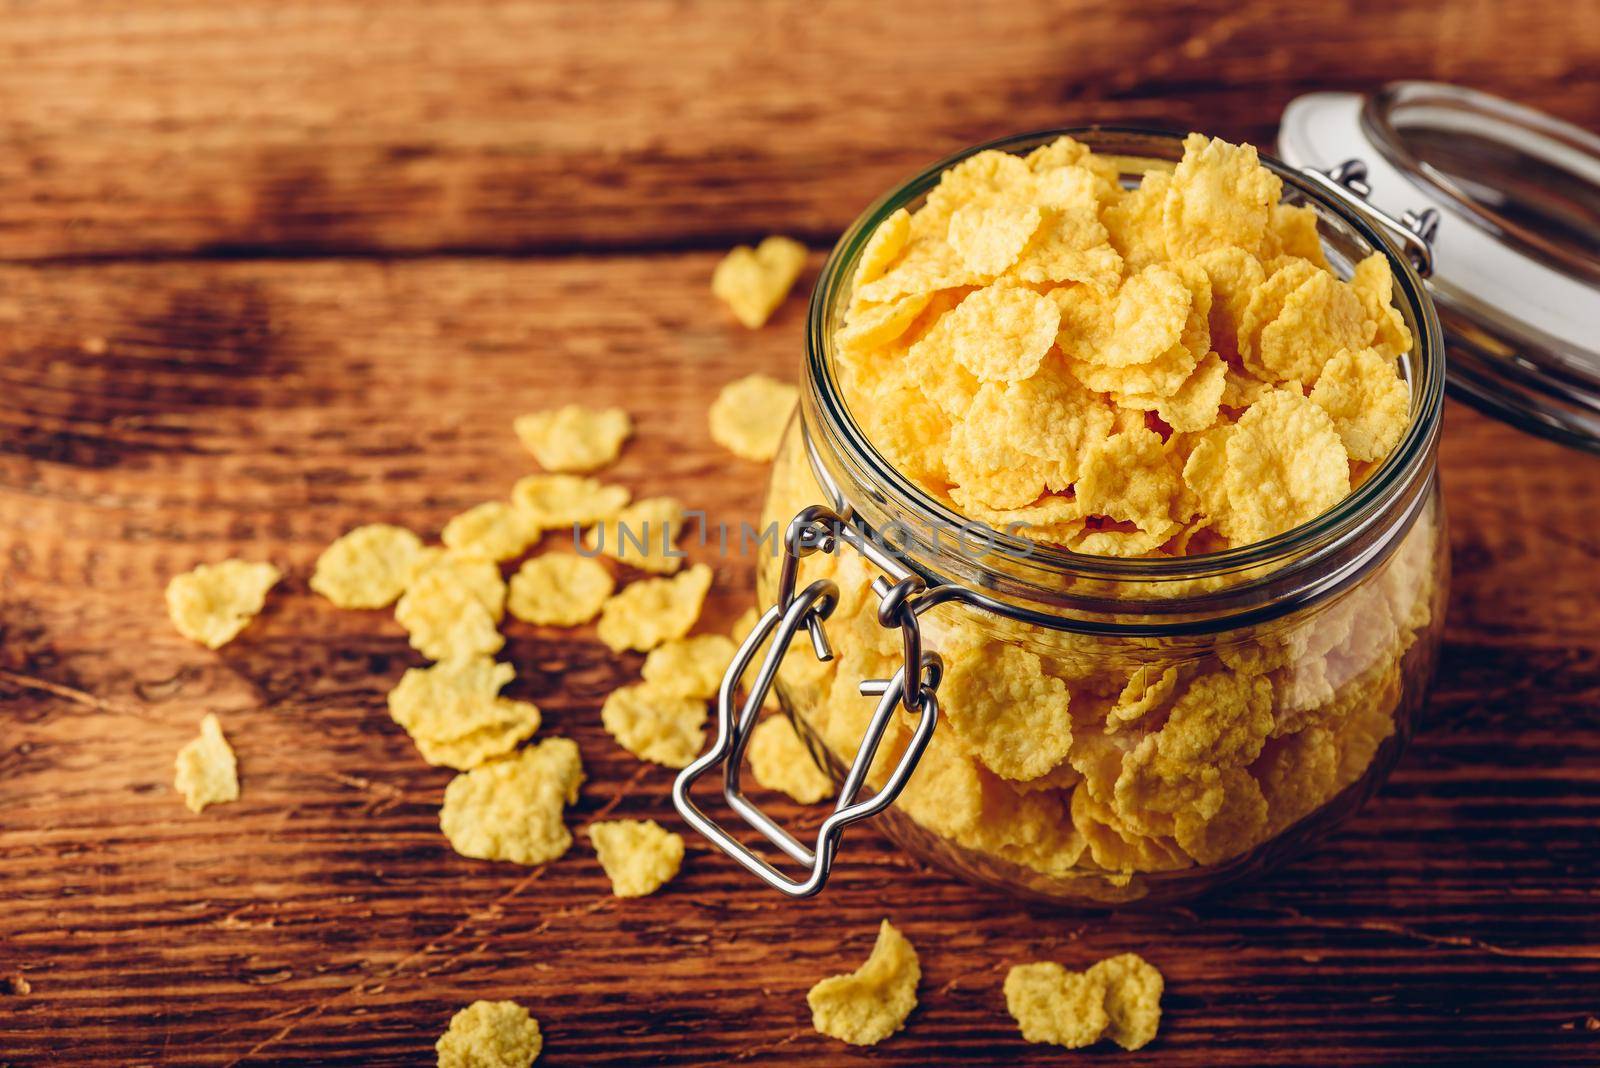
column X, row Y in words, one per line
column 1047, row 586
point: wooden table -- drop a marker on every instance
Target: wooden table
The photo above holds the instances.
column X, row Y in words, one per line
column 272, row 269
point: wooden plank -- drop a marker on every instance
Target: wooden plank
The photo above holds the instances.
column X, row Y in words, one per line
column 153, row 416
column 135, row 128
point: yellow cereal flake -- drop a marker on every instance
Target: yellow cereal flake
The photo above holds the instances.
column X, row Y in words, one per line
column 1368, row 401
column 511, row 808
column 998, row 334
column 490, row 1034
column 990, row 236
column 883, row 247
column 1319, row 318
column 207, row 770
column 559, row 590
column 567, row 500
column 1235, row 275
column 1220, row 196
column 493, row 530
column 1292, row 231
column 214, row 602
column 1051, row 1004
column 661, row 727
column 453, row 609
column 871, row 1003
column 689, row 667
column 1133, row 999
column 1134, row 221
column 1286, row 465
column 368, row 567
column 651, row 611
column 1373, row 283
column 642, row 535
column 574, row 439
column 752, row 282
column 455, row 715
column 1005, row 708
column 749, row 416
column 1129, row 478
column 780, row 761
column 639, row 856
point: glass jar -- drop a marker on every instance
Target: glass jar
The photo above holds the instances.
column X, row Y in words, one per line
column 1227, row 709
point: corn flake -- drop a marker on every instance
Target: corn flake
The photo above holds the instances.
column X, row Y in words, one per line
column 1220, row 196
column 780, row 761
column 1053, row 1005
column 1373, row 283
column 1319, row 318
column 643, row 535
column 1368, row 401
column 661, row 727
column 207, row 769
column 490, row 1034
column 1133, row 999
column 871, row 1003
column 214, row 602
column 639, row 856
column 559, row 590
column 689, row 667
column 455, row 715
column 367, row 567
column 749, row 416
column 990, row 236
column 752, row 282
column 453, row 609
column 511, row 808
column 883, row 247
column 1286, row 465
column 493, row 530
column 998, row 334
column 651, row 611
column 1005, row 708
column 1129, row 478
column 567, row 500
column 573, row 438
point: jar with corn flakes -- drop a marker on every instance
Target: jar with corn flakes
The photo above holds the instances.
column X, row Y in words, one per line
column 1024, row 679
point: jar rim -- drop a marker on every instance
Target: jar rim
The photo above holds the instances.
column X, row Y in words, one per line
column 1406, row 466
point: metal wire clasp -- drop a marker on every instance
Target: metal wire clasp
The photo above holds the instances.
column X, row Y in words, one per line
column 913, row 686
column 1414, row 230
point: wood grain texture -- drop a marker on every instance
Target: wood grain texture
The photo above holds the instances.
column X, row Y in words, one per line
column 132, row 127
column 158, row 414
column 261, row 408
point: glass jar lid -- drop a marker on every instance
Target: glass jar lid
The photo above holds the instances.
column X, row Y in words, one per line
column 1516, row 253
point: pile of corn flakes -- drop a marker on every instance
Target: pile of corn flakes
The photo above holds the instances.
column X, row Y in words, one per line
column 1158, row 371
column 1119, row 998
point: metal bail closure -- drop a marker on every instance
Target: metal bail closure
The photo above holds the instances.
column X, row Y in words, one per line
column 1414, row 230
column 814, row 529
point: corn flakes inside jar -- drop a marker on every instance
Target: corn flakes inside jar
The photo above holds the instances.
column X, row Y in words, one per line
column 1112, row 495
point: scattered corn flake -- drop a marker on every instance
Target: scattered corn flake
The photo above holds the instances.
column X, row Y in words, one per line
column 1133, row 999
column 868, row 1005
column 214, row 602
column 989, row 236
column 1051, row 1004
column 557, row 500
column 455, row 715
column 573, row 438
column 661, row 727
column 490, row 1034
column 883, row 247
column 1220, row 196
column 639, row 856
column 1369, row 402
column 453, row 609
column 749, row 416
column 493, row 530
column 689, row 667
column 780, row 761
column 559, row 590
column 367, row 567
column 1286, row 465
column 752, row 282
column 643, row 535
column 511, row 808
column 651, row 611
column 998, row 334
column 207, row 770
column 1006, row 709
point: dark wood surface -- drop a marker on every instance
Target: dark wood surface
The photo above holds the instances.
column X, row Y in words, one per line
column 208, row 348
